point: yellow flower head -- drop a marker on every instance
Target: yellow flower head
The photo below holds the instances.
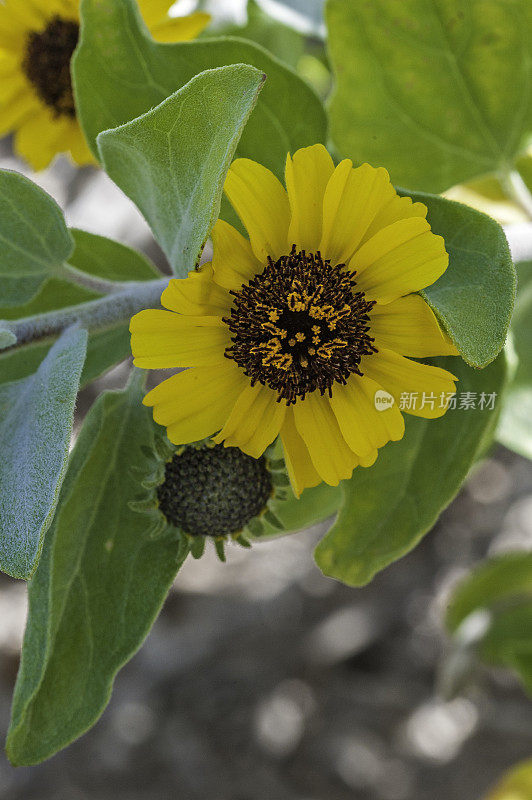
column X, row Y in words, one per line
column 37, row 40
column 306, row 329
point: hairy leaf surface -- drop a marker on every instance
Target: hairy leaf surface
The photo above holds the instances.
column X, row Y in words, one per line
column 100, row 584
column 36, row 415
column 390, row 506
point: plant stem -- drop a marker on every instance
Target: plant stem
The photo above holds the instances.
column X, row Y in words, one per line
column 118, row 306
column 99, row 285
column 517, row 190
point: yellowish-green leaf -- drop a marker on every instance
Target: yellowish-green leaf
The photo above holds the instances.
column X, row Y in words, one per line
column 437, row 91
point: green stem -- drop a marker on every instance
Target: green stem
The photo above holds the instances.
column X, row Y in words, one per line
column 116, row 307
column 517, row 190
column 99, row 285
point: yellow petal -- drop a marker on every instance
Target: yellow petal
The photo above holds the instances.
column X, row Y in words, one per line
column 164, row 340
column 352, row 199
column 13, row 32
column 365, row 428
column 397, row 208
column 154, row 10
column 317, row 426
column 307, row 175
column 9, row 69
column 409, row 327
column 27, row 15
column 298, row 462
column 17, row 110
column 195, row 403
column 254, row 422
column 261, row 202
column 180, row 29
column 402, row 258
column 197, row 294
column 41, row 137
column 78, row 147
column 418, row 389
column 233, row 261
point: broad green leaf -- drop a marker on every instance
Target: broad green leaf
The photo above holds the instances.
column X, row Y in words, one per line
column 105, row 258
column 93, row 256
column 315, row 505
column 389, row 507
column 515, row 430
column 474, row 297
column 105, row 348
column 437, row 91
column 515, row 785
column 53, row 293
column 100, row 584
column 173, row 160
column 34, row 240
column 500, row 589
column 120, row 73
column 36, row 417
column 282, row 41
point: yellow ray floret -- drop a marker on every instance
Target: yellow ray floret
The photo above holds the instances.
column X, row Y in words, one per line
column 37, row 41
column 307, row 329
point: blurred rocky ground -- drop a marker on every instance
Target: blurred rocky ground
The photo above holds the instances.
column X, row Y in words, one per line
column 263, row 680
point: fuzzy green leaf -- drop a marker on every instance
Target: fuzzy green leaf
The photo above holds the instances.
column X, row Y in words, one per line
column 173, row 160
column 315, row 505
column 280, row 40
column 516, row 784
column 120, row 73
column 474, row 297
column 34, row 240
column 53, row 293
column 105, row 258
column 36, row 417
column 105, row 348
column 100, row 584
column 389, row 507
column 501, row 588
column 437, row 91
column 515, row 430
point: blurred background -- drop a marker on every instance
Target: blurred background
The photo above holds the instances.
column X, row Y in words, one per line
column 263, row 680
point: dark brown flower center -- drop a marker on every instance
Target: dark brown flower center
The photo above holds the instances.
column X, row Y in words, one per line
column 300, row 325
column 47, row 64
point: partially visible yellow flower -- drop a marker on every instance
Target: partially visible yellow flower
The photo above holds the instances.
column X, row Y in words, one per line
column 37, row 40
column 302, row 330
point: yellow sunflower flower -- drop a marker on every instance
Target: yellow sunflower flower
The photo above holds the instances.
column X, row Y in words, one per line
column 296, row 330
column 37, row 40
